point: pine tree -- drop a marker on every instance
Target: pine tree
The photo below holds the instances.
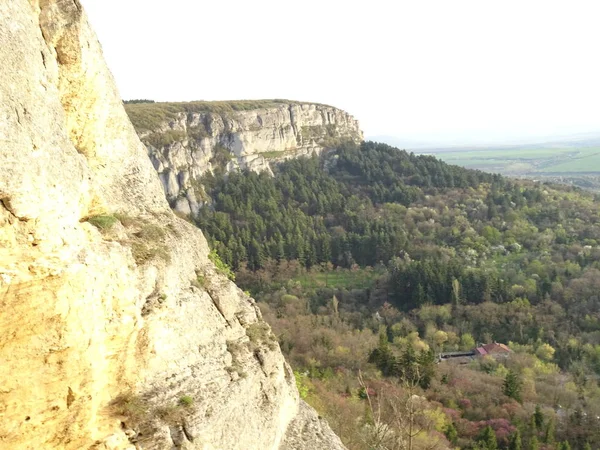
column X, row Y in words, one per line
column 382, row 356
column 538, row 418
column 564, row 445
column 487, row 439
column 512, row 386
column 534, row 443
column 550, row 430
column 515, row 441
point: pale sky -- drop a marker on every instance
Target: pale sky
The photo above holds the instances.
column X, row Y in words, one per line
column 461, row 69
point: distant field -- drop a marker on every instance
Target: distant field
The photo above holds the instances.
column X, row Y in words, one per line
column 585, row 163
column 526, row 161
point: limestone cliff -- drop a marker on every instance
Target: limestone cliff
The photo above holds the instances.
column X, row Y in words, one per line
column 185, row 140
column 117, row 330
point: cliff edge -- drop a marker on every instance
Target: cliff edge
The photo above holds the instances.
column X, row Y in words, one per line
column 118, row 332
column 186, row 140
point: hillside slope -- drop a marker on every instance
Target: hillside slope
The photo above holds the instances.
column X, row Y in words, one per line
column 118, row 330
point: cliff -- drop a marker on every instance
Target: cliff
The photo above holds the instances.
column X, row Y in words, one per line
column 118, row 332
column 185, row 140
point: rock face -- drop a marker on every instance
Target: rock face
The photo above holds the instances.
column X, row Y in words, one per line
column 185, row 140
column 117, row 330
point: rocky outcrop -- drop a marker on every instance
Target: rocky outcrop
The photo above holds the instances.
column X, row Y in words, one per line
column 117, row 330
column 308, row 430
column 185, row 140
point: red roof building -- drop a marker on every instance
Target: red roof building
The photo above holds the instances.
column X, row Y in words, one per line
column 492, row 349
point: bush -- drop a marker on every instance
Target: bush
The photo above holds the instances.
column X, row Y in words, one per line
column 134, row 407
column 103, row 222
column 200, row 281
column 147, row 241
column 139, row 411
column 260, row 333
column 221, row 267
column 162, row 139
column 186, row 401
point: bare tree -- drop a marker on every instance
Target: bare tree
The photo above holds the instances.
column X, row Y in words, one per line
column 399, row 418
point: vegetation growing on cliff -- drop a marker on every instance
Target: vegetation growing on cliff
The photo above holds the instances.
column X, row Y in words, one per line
column 148, row 116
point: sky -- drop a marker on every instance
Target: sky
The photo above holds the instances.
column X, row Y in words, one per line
column 461, row 71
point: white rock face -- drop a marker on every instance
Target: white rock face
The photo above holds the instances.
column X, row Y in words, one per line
column 136, row 310
column 252, row 139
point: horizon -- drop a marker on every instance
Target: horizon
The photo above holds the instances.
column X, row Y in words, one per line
column 437, row 73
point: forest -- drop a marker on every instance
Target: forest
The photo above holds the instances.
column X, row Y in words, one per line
column 369, row 262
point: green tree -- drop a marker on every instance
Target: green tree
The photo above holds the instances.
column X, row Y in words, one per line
column 487, row 439
column 467, row 342
column 538, row 418
column 515, row 441
column 382, row 356
column 513, row 386
column 550, row 431
column 534, row 443
column 451, row 433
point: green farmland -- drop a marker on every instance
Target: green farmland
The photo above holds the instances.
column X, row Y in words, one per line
column 526, row 161
column 567, row 164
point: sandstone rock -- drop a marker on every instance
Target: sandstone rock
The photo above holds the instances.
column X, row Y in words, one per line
column 109, row 338
column 308, row 430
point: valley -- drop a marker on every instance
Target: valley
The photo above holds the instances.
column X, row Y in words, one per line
column 370, row 262
column 254, row 274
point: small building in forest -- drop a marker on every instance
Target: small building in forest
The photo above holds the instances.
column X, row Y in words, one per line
column 494, row 350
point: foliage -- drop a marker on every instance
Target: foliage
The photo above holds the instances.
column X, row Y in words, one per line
column 150, row 115
column 221, row 157
column 128, row 102
column 301, row 384
column 260, row 333
column 513, row 386
column 103, row 222
column 134, row 407
column 223, row 268
column 487, row 439
column 515, row 441
column 422, row 257
column 160, row 139
column 139, row 411
column 451, row 433
column 186, row 401
column 319, row 217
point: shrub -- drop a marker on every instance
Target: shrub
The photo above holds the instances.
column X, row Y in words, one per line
column 186, row 401
column 132, row 406
column 140, row 411
column 221, row 267
column 151, row 232
column 143, row 252
column 200, row 281
column 221, row 156
column 162, row 139
column 102, row 222
column 302, row 384
column 147, row 241
column 260, row 333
